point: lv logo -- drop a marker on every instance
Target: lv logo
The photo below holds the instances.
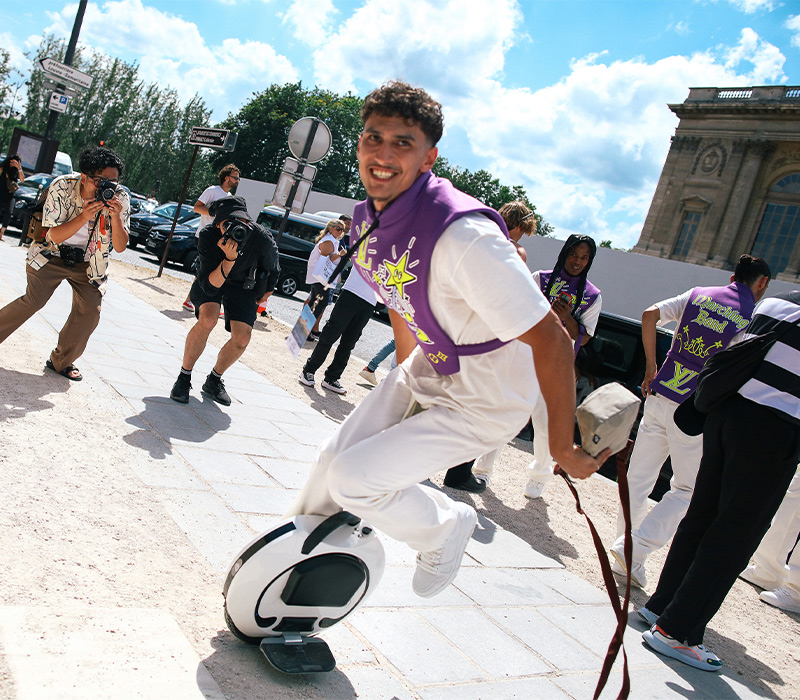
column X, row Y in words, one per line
column 680, row 382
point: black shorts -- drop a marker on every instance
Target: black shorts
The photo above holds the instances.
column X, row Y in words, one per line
column 239, row 304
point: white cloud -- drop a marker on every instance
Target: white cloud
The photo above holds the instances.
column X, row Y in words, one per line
column 767, row 60
column 310, row 21
column 681, row 28
column 172, row 52
column 793, row 23
column 751, row 6
column 446, row 45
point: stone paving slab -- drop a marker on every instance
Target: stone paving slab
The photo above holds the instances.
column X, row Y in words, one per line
column 515, row 624
column 96, row 654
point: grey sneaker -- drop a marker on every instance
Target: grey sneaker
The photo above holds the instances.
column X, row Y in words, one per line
column 334, row 386
column 647, row 615
column 695, row 655
column 307, row 378
column 214, row 388
column 437, row 569
column 180, row 389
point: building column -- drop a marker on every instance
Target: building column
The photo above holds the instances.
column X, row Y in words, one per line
column 739, row 201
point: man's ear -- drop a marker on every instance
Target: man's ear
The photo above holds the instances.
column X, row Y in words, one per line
column 430, row 159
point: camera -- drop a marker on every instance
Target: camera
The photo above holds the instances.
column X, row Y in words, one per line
column 235, row 231
column 71, row 254
column 106, row 189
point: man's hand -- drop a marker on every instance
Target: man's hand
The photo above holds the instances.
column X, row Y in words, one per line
column 91, row 207
column 562, row 309
column 649, row 375
column 579, row 464
column 229, row 248
column 264, row 298
column 115, row 206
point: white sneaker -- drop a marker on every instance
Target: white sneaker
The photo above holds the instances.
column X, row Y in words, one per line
column 534, row 489
column 697, row 655
column 369, row 375
column 751, row 575
column 781, row 598
column 437, row 569
column 618, row 568
column 335, row 387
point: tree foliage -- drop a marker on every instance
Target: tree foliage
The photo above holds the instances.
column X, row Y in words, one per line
column 263, row 126
column 145, row 124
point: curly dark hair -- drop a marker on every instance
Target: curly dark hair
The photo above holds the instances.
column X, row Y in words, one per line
column 414, row 105
column 93, row 160
column 229, row 169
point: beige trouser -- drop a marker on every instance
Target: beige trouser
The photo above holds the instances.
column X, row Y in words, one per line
column 82, row 320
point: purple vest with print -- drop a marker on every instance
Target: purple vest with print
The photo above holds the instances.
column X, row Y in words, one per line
column 711, row 318
column 395, row 259
column 567, row 283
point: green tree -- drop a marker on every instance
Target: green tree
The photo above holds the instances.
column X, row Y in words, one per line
column 263, row 124
column 605, row 244
column 145, row 124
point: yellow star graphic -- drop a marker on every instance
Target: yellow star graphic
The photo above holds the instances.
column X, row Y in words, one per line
column 398, row 275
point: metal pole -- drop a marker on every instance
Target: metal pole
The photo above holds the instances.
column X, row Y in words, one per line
column 50, row 129
column 312, row 132
column 177, row 212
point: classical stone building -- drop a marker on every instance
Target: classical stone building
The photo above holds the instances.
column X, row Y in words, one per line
column 731, row 181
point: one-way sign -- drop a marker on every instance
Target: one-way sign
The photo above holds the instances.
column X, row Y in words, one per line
column 66, row 73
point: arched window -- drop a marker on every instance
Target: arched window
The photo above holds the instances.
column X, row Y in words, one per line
column 780, row 225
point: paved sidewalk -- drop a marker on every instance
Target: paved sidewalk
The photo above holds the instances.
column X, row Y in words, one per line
column 112, row 465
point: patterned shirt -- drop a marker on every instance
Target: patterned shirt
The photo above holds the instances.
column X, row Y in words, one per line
column 64, row 203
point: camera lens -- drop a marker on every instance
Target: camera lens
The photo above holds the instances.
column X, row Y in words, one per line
column 106, row 189
column 236, row 231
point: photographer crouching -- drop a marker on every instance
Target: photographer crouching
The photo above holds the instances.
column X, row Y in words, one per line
column 85, row 214
column 237, row 269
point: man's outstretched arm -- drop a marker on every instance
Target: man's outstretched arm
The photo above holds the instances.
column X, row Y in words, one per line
column 553, row 360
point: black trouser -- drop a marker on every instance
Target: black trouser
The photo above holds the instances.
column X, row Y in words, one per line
column 750, row 455
column 347, row 321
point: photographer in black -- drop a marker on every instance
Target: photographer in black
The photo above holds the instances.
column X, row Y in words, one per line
column 237, row 269
column 85, row 214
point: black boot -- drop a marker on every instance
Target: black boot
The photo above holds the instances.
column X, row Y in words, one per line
column 180, row 389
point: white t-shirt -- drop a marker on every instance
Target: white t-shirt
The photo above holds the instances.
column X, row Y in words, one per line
column 210, row 194
column 589, row 316
column 313, row 257
column 480, row 289
column 357, row 285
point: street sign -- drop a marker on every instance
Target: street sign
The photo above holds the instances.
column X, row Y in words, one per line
column 309, row 139
column 52, row 82
column 58, row 102
column 66, row 73
column 306, row 172
column 212, row 138
column 286, row 183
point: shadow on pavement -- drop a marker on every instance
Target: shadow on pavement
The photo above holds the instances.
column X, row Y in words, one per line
column 242, row 673
column 22, row 393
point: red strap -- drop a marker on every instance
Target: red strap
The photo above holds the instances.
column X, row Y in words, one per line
column 621, row 611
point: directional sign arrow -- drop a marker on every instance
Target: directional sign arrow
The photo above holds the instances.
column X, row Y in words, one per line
column 66, row 73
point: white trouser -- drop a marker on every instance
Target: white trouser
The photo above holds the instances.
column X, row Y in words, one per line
column 657, row 438
column 771, row 554
column 374, row 462
column 541, row 468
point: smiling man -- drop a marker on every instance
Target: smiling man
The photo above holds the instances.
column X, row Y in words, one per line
column 474, row 353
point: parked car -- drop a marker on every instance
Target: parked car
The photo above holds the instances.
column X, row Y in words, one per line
column 182, row 248
column 616, row 354
column 142, row 222
column 25, row 196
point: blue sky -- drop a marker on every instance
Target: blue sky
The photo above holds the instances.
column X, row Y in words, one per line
column 566, row 97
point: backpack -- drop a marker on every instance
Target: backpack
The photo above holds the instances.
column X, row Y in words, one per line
column 36, row 232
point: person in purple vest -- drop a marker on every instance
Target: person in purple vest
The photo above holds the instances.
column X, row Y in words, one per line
column 708, row 319
column 577, row 302
column 474, row 354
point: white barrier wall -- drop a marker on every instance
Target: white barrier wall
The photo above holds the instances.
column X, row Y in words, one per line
column 631, row 282
column 258, row 194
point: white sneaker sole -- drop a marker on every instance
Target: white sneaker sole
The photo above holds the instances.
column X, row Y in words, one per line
column 666, row 650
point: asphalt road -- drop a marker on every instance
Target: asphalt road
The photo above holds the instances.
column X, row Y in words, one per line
column 285, row 309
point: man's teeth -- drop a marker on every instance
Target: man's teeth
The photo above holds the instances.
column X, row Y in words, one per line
column 382, row 174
